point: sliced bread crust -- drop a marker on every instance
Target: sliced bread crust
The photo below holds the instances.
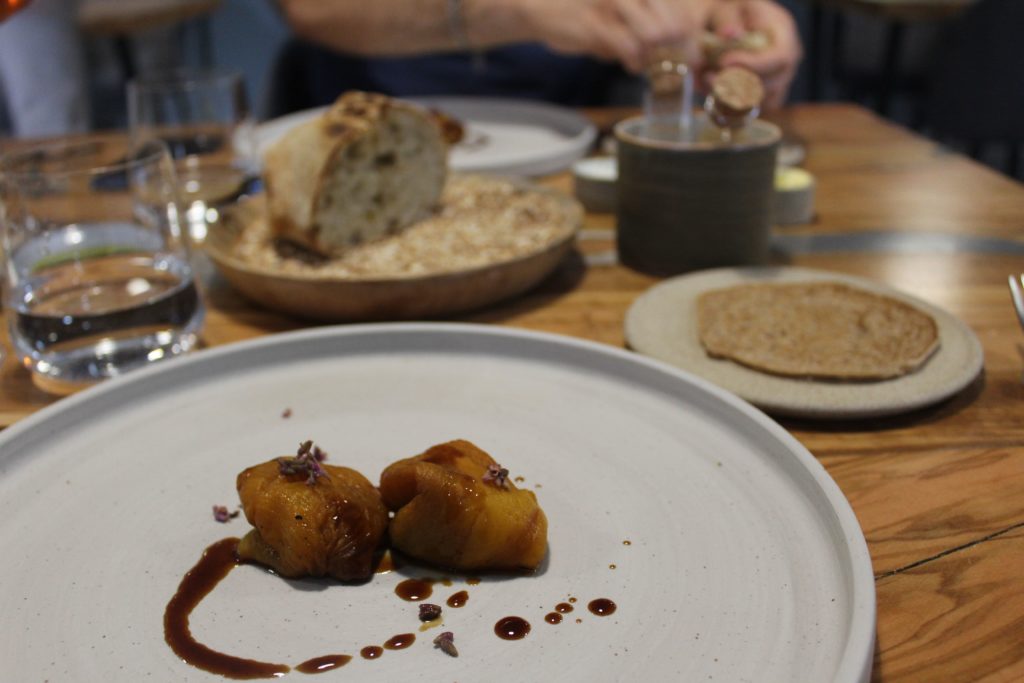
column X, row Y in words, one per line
column 369, row 167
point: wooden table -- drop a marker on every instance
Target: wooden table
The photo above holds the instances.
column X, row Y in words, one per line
column 939, row 492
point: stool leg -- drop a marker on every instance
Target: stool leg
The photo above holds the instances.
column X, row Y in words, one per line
column 123, row 51
column 890, row 65
column 205, row 42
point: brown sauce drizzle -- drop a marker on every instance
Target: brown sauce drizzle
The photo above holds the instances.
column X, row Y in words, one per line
column 458, row 599
column 602, row 607
column 512, row 628
column 371, row 652
column 217, row 561
column 415, row 590
column 400, row 642
column 320, row 664
column 220, row 558
column 385, row 564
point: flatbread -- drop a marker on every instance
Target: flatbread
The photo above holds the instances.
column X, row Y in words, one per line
column 816, row 330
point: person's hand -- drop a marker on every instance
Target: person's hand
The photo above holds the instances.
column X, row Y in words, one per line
column 628, row 31
column 775, row 63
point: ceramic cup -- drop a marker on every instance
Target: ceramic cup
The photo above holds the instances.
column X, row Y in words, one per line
column 699, row 203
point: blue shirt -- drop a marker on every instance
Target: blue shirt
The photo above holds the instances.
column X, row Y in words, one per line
column 526, row 70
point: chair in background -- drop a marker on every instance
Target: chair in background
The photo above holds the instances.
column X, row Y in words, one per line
column 976, row 86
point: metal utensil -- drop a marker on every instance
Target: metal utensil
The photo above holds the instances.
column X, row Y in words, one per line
column 1017, row 294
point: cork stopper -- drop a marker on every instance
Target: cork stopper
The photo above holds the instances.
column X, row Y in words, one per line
column 735, row 97
column 715, row 46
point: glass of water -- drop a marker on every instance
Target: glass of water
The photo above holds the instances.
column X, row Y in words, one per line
column 98, row 274
column 203, row 117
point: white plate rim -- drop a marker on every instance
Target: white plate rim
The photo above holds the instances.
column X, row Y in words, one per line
column 579, row 133
column 854, row 665
column 787, row 396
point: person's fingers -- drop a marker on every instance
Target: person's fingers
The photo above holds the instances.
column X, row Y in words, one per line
column 727, row 20
column 765, row 63
column 641, row 21
column 613, row 40
column 776, row 63
column 777, row 23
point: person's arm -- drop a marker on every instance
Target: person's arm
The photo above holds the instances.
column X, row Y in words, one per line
column 622, row 30
column 776, row 64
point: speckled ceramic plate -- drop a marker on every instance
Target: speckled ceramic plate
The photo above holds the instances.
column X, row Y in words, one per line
column 743, row 561
column 662, row 323
column 508, row 137
column 323, row 294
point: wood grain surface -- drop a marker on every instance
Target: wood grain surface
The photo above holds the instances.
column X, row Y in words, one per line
column 939, row 492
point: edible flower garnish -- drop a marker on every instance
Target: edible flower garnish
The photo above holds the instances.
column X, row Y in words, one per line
column 497, row 475
column 429, row 611
column 221, row 514
column 446, row 641
column 306, row 461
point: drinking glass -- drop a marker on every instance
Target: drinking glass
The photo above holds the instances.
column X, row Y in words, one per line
column 98, row 274
column 203, row 117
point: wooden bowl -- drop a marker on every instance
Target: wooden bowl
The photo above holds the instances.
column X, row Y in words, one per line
column 330, row 297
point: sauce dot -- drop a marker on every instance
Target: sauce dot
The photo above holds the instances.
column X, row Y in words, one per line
column 563, row 607
column 473, row 581
column 457, row 599
column 611, row 566
column 512, row 628
column 602, row 607
column 414, row 590
column 371, row 652
column 400, row 642
column 627, row 542
column 553, row 618
column 321, row 664
column 572, row 600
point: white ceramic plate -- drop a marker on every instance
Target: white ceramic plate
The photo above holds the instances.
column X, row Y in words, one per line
column 662, row 323
column 513, row 137
column 745, row 561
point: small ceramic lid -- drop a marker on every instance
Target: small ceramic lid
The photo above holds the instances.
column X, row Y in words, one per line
column 594, row 181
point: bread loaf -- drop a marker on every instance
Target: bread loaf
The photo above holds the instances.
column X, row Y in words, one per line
column 369, row 167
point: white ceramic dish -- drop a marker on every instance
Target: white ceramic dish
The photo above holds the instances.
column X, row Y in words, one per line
column 510, row 137
column 662, row 323
column 745, row 561
column 595, row 183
